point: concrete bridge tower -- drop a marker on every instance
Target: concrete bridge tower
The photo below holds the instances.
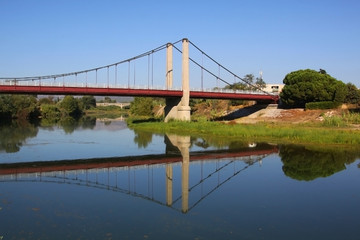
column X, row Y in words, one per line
column 178, row 108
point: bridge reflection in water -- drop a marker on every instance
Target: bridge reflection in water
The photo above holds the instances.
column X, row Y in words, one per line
column 138, row 176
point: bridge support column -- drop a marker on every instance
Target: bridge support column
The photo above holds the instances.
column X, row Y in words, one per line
column 184, row 108
column 176, row 108
column 169, row 66
column 171, row 108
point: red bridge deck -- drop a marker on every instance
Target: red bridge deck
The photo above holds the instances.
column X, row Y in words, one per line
column 106, row 91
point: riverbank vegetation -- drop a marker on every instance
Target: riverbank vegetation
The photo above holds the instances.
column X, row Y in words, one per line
column 30, row 107
column 314, row 89
column 310, row 133
column 18, row 106
column 51, row 110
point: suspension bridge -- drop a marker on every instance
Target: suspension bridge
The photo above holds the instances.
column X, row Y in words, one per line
column 136, row 77
column 162, row 179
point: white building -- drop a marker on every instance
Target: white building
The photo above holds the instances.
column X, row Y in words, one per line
column 273, row 88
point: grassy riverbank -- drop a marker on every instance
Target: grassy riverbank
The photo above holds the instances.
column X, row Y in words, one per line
column 274, row 132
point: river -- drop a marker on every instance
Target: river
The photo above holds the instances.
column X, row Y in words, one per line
column 102, row 180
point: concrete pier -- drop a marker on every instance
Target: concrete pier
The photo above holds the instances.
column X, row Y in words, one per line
column 178, row 108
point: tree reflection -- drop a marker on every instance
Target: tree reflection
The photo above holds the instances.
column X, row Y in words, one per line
column 87, row 122
column 14, row 134
column 304, row 163
column 70, row 124
column 142, row 138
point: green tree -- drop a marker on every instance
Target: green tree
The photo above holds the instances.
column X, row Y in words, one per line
column 50, row 111
column 19, row 106
column 46, row 100
column 26, row 106
column 142, row 106
column 6, row 107
column 353, row 94
column 247, row 83
column 249, row 78
column 69, row 106
column 109, row 100
column 87, row 102
column 304, row 86
column 237, row 86
column 260, row 83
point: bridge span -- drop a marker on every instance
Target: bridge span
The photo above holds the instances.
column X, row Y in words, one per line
column 177, row 100
column 48, row 89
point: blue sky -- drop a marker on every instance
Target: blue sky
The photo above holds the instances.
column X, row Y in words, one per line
column 42, row 37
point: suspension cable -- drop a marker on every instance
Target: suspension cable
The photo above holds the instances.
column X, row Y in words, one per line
column 199, row 65
column 151, row 52
column 88, row 70
column 226, row 69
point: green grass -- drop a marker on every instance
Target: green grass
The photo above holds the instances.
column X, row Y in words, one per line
column 347, row 119
column 279, row 133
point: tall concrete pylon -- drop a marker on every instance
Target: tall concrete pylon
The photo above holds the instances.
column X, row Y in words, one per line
column 184, row 108
column 169, row 66
column 176, row 108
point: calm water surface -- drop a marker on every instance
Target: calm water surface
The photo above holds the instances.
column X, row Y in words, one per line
column 101, row 180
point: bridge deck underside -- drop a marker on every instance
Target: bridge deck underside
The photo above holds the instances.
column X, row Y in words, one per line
column 52, row 90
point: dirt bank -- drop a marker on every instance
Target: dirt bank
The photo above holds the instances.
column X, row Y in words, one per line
column 272, row 113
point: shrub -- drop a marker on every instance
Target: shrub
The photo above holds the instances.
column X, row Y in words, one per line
column 321, row 105
column 18, row 106
column 50, row 111
column 70, row 106
column 87, row 102
column 353, row 94
column 142, row 106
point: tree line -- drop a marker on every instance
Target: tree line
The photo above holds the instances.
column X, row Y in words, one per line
column 30, row 107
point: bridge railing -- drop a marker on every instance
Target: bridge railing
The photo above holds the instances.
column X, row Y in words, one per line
column 123, row 86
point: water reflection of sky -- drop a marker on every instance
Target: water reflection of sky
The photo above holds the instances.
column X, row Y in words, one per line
column 258, row 203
